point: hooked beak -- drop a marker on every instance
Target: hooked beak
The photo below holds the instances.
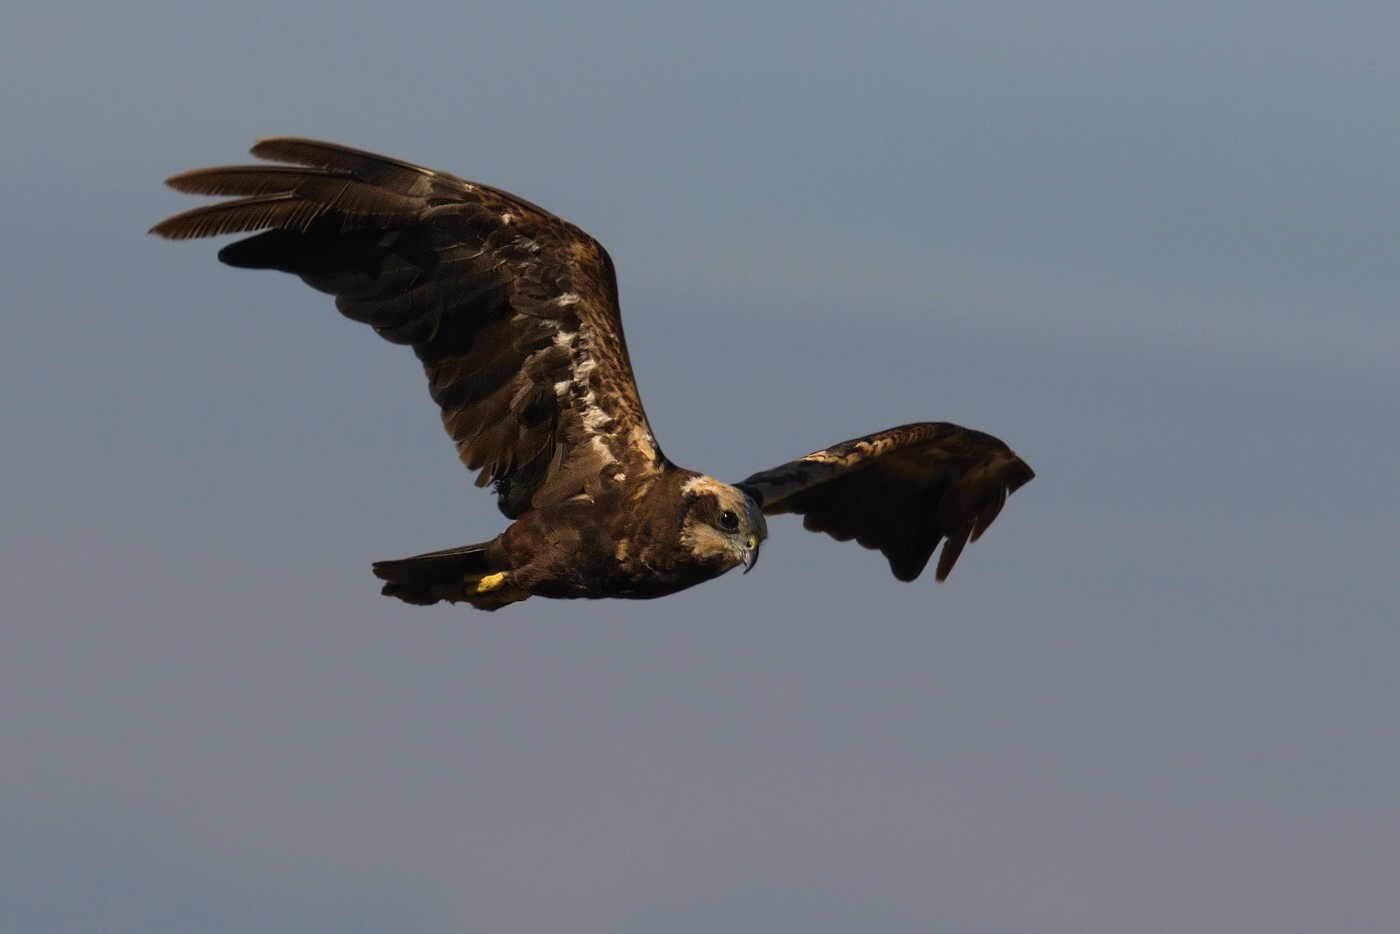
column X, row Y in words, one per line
column 750, row 556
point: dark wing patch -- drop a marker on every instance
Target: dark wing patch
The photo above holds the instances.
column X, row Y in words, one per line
column 900, row 491
column 513, row 311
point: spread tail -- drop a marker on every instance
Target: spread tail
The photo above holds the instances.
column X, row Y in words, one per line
column 477, row 574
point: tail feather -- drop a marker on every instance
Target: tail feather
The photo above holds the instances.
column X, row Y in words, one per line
column 476, row 574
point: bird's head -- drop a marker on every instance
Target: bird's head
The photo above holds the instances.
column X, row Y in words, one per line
column 721, row 526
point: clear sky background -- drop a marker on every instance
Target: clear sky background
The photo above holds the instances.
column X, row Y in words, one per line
column 1155, row 247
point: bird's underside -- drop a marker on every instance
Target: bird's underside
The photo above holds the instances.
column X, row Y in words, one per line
column 513, row 313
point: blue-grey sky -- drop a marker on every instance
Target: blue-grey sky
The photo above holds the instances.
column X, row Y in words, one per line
column 1152, row 246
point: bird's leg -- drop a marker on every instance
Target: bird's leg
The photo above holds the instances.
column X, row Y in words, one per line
column 491, row 582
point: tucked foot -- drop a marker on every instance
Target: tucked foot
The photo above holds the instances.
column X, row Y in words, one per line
column 488, row 583
column 467, row 574
column 492, row 591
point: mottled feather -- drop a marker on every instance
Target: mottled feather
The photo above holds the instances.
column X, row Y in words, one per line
column 512, row 310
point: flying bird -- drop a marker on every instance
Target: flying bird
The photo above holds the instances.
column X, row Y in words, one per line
column 514, row 315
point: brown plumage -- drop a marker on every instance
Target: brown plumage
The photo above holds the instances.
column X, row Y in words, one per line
column 514, row 315
column 900, row 490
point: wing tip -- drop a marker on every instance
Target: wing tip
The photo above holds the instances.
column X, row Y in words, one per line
column 1017, row 474
column 952, row 550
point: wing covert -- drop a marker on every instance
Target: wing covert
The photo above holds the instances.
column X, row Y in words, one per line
column 900, row 491
column 512, row 311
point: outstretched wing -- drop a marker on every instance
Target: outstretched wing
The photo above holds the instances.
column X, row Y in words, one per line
column 512, row 311
column 900, row 490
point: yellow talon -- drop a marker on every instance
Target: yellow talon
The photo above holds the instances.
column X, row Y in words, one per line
column 491, row 582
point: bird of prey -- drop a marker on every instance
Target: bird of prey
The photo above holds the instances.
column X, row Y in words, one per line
column 514, row 315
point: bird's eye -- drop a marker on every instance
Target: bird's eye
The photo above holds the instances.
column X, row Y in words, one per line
column 729, row 520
